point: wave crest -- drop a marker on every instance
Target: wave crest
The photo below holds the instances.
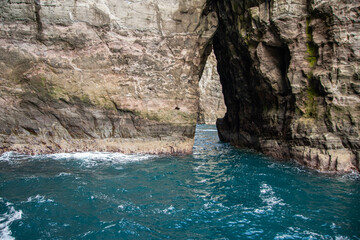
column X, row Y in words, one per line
column 7, row 218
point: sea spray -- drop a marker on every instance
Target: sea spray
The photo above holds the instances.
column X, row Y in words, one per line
column 8, row 215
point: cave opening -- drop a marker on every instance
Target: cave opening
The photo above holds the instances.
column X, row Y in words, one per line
column 253, row 77
column 211, row 98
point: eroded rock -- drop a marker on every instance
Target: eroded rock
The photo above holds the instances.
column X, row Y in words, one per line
column 108, row 75
column 101, row 75
column 290, row 73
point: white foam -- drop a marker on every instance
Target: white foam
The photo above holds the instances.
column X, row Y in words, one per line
column 301, row 216
column 351, row 176
column 267, row 195
column 253, row 231
column 128, row 206
column 39, row 199
column 202, row 181
column 99, row 156
column 7, row 219
column 207, row 205
column 284, row 236
column 169, row 210
column 297, row 233
column 110, row 226
column 91, row 159
column 333, row 226
column 265, row 189
column 341, row 238
column 63, row 174
column 12, row 157
column 259, row 211
column 6, row 156
column 88, row 159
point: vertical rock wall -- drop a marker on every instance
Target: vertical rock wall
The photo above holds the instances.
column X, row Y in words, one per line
column 290, row 73
column 211, row 105
column 101, row 75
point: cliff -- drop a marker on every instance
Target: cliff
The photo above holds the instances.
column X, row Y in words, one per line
column 108, row 75
column 101, row 75
column 290, row 73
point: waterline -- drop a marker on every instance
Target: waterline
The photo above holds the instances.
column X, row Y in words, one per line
column 219, row 192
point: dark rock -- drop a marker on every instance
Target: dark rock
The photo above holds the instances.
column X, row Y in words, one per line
column 288, row 81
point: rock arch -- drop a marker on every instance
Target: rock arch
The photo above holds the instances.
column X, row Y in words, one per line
column 289, row 74
column 110, row 75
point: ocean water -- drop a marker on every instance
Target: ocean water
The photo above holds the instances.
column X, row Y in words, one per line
column 219, row 192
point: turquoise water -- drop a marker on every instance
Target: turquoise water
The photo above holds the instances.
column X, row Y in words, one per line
column 217, row 193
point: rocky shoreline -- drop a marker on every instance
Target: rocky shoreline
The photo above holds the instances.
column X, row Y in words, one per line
column 90, row 75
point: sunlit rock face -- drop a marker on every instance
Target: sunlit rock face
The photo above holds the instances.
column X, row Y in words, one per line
column 101, row 75
column 211, row 106
column 291, row 79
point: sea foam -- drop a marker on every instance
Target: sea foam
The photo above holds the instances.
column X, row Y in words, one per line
column 7, row 218
column 39, row 199
column 87, row 158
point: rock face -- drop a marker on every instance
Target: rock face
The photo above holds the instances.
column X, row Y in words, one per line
column 212, row 105
column 110, row 75
column 291, row 79
column 101, row 75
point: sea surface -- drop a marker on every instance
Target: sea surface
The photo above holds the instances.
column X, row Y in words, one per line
column 219, row 192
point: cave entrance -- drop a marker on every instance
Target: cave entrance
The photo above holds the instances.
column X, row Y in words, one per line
column 211, row 101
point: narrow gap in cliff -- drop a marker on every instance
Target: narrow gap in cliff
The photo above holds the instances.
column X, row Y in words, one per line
column 211, row 99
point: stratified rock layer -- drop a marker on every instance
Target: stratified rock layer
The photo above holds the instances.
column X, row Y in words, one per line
column 290, row 73
column 212, row 105
column 101, row 75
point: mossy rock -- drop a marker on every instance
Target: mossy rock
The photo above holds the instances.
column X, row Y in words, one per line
column 311, row 48
column 311, row 105
column 172, row 116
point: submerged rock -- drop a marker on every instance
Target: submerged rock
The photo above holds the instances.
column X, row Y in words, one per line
column 290, row 73
column 91, row 75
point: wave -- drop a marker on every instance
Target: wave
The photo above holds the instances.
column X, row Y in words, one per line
column 38, row 199
column 12, row 157
column 171, row 210
column 88, row 158
column 6, row 156
column 297, row 233
column 351, row 176
column 7, row 218
column 267, row 195
column 104, row 156
column 301, row 216
column 92, row 159
column 63, row 174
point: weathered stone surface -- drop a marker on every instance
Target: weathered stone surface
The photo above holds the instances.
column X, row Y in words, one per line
column 101, row 75
column 212, row 105
column 290, row 73
column 109, row 75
